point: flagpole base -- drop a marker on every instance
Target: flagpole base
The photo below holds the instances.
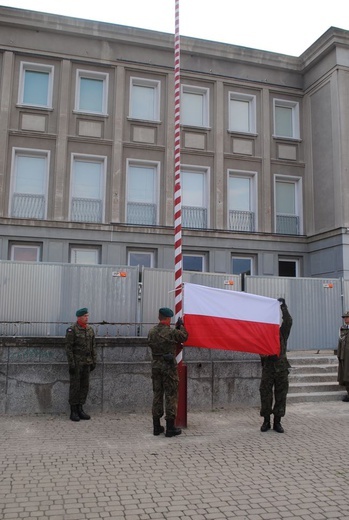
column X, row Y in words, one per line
column 181, row 418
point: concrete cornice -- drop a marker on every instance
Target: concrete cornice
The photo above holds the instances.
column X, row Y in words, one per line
column 39, row 21
column 190, row 47
column 332, row 38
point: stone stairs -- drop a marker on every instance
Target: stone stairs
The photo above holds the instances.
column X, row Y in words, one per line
column 313, row 377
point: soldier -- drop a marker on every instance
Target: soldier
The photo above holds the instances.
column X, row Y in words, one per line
column 343, row 356
column 275, row 376
column 81, row 353
column 163, row 340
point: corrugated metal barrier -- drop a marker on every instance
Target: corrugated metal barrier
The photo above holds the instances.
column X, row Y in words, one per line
column 315, row 305
column 39, row 299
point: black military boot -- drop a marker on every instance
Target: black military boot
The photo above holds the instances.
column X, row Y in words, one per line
column 74, row 416
column 82, row 415
column 266, row 424
column 277, row 425
column 171, row 430
column 346, row 399
column 157, row 427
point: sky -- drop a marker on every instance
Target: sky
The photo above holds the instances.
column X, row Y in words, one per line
column 282, row 27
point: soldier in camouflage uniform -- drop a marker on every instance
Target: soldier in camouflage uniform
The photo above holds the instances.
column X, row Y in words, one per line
column 343, row 356
column 81, row 353
column 162, row 340
column 275, row 376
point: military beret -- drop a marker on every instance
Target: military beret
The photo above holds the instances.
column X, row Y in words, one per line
column 346, row 315
column 81, row 312
column 165, row 311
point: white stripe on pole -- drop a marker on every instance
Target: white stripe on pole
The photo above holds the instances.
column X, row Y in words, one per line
column 177, row 167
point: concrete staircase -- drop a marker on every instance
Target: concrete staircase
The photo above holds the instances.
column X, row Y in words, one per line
column 313, row 377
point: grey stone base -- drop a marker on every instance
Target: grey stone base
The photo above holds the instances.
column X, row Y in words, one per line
column 34, row 377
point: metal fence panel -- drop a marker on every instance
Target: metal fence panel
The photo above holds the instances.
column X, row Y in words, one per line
column 345, row 306
column 42, row 298
column 315, row 306
column 39, row 299
column 158, row 290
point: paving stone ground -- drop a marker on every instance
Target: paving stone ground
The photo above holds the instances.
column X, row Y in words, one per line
column 221, row 467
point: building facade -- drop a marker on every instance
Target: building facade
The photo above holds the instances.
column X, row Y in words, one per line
column 87, row 150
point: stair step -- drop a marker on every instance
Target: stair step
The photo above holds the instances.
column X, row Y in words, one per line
column 313, row 377
column 314, row 387
column 306, row 369
column 311, row 360
column 315, row 397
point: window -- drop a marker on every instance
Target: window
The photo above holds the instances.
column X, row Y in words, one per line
column 288, row 267
column 87, row 188
column 85, row 255
column 242, row 201
column 195, row 106
column 145, row 99
column 142, row 179
column 193, row 262
column 286, row 119
column 25, row 252
column 35, row 85
column 288, row 206
column 194, row 197
column 91, row 92
column 240, row 265
column 29, row 183
column 242, row 112
column 141, row 258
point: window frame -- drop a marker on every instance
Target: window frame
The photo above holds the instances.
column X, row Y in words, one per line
column 156, row 165
column 35, row 67
column 76, row 248
column 142, row 252
column 146, row 82
column 205, row 93
column 298, row 184
column 99, row 159
column 295, row 118
column 89, row 74
column 203, row 256
column 205, row 171
column 253, row 177
column 25, row 245
column 242, row 257
column 29, row 152
column 296, row 261
column 251, row 99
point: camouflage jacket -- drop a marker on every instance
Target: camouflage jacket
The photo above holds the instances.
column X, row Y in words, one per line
column 163, row 339
column 343, row 356
column 80, row 345
column 343, row 343
column 280, row 362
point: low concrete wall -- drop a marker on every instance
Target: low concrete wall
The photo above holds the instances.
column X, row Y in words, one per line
column 34, row 377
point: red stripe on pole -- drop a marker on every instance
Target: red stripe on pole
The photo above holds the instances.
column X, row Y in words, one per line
column 181, row 419
column 177, row 152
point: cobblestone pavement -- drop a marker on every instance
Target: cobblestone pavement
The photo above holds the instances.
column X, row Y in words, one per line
column 221, row 467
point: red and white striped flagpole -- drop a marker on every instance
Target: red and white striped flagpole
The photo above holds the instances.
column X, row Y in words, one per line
column 181, row 419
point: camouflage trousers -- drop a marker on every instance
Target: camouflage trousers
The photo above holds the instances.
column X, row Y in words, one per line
column 273, row 387
column 79, row 385
column 165, row 384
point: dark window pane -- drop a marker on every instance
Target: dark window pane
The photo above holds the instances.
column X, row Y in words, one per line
column 193, row 263
column 287, row 268
column 241, row 265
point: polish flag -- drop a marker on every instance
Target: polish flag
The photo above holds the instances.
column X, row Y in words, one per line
column 230, row 320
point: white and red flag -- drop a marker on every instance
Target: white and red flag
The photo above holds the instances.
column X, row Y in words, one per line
column 231, row 320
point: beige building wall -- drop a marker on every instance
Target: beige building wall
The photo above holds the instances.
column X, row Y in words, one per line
column 311, row 163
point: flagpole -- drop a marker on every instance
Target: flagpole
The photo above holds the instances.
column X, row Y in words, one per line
column 181, row 419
